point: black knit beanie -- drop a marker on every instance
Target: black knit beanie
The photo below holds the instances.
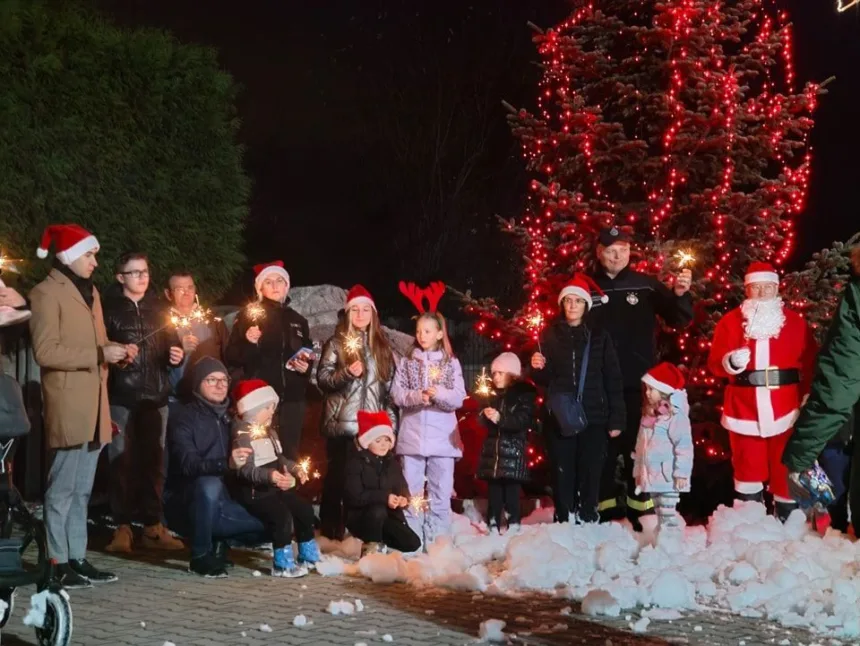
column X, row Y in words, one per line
column 203, row 368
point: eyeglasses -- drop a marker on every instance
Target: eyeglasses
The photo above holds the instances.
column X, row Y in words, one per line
column 277, row 282
column 184, row 290
column 217, row 381
column 136, row 273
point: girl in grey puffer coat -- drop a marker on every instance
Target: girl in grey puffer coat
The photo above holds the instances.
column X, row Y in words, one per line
column 355, row 373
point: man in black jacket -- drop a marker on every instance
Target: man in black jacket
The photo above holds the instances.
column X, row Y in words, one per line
column 134, row 316
column 196, row 498
column 264, row 344
column 630, row 316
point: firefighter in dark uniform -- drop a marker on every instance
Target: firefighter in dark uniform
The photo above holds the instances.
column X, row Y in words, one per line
column 630, row 316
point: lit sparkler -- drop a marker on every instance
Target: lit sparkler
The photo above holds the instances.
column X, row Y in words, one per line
column 434, row 374
column 182, row 321
column 257, row 431
column 684, row 258
column 418, row 504
column 352, row 343
column 304, row 467
column 535, row 324
column 255, row 312
column 483, row 384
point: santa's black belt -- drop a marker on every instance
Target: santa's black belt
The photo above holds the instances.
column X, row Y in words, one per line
column 769, row 378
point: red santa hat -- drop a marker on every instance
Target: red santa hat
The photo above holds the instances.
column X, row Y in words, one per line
column 267, row 269
column 665, row 377
column 253, row 393
column 70, row 242
column 372, row 426
column 358, row 294
column 582, row 286
column 761, row 272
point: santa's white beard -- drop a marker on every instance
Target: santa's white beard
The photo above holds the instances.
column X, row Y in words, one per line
column 763, row 318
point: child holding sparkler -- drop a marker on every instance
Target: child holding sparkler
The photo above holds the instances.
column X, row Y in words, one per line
column 663, row 460
column 354, row 373
column 271, row 341
column 375, row 490
column 429, row 388
column 508, row 415
column 267, row 480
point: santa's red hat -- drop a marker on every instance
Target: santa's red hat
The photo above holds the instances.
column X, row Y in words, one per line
column 761, row 272
column 582, row 286
column 665, row 377
column 70, row 242
column 253, row 393
column 372, row 426
column 267, row 269
column 358, row 294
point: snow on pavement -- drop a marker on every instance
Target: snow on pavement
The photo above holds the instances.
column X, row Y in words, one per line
column 744, row 562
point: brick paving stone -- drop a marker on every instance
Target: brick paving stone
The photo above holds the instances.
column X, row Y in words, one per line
column 187, row 610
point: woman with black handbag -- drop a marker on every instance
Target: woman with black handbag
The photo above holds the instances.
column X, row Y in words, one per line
column 584, row 400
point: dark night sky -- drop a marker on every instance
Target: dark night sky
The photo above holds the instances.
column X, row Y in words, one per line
column 317, row 76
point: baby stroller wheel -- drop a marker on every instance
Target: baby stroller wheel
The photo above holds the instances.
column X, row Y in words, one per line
column 7, row 596
column 57, row 628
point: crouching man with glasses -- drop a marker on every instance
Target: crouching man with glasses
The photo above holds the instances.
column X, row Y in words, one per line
column 201, row 463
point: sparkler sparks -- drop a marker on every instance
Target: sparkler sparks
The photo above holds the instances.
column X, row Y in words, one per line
column 304, row 467
column 257, row 431
column 418, row 503
column 255, row 312
column 434, row 375
column 352, row 343
column 685, row 258
column 483, row 384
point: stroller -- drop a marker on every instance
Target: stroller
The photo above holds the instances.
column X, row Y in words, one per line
column 20, row 530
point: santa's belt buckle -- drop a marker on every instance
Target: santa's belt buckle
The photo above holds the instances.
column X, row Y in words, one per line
column 767, row 384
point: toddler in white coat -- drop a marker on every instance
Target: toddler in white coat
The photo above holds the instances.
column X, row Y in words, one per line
column 663, row 461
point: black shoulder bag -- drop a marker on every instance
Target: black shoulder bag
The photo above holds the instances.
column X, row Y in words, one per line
column 567, row 407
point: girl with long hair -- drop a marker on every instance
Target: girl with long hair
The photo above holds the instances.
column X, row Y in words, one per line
column 355, row 373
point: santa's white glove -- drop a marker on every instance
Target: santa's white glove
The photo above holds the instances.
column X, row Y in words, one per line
column 740, row 358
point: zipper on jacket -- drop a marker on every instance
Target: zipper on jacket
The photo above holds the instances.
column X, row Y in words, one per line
column 498, row 442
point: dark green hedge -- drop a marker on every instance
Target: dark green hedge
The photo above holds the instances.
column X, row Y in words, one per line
column 128, row 133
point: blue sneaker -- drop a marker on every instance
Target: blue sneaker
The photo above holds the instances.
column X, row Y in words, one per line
column 285, row 566
column 309, row 552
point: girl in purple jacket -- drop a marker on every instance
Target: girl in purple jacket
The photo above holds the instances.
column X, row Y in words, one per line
column 428, row 387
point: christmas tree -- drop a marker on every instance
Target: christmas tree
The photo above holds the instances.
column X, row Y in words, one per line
column 679, row 121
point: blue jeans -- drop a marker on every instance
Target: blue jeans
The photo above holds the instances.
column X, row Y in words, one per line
column 212, row 514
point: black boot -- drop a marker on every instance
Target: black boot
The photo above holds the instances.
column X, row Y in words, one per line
column 207, row 566
column 221, row 550
column 782, row 510
column 69, row 579
column 86, row 569
column 758, row 496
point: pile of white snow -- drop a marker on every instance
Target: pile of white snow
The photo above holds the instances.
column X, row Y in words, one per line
column 744, row 561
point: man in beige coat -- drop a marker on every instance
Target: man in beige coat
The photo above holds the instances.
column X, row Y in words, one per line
column 72, row 349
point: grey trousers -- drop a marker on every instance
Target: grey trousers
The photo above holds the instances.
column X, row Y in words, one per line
column 665, row 504
column 70, row 483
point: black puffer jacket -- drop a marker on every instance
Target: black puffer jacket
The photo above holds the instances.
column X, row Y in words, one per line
column 504, row 452
column 603, row 394
column 370, row 479
column 284, row 332
column 146, row 378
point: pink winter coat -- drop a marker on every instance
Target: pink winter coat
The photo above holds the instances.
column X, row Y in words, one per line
column 429, row 431
column 664, row 451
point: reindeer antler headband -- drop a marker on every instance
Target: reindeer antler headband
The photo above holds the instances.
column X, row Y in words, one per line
column 416, row 295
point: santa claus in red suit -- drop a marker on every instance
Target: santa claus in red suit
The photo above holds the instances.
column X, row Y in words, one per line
column 767, row 353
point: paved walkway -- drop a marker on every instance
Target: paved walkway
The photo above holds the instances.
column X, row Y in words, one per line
column 156, row 601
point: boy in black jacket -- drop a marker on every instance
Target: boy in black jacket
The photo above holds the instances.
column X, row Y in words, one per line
column 267, row 479
column 375, row 490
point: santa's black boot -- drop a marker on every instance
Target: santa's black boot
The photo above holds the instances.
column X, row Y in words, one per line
column 758, row 496
column 782, row 510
